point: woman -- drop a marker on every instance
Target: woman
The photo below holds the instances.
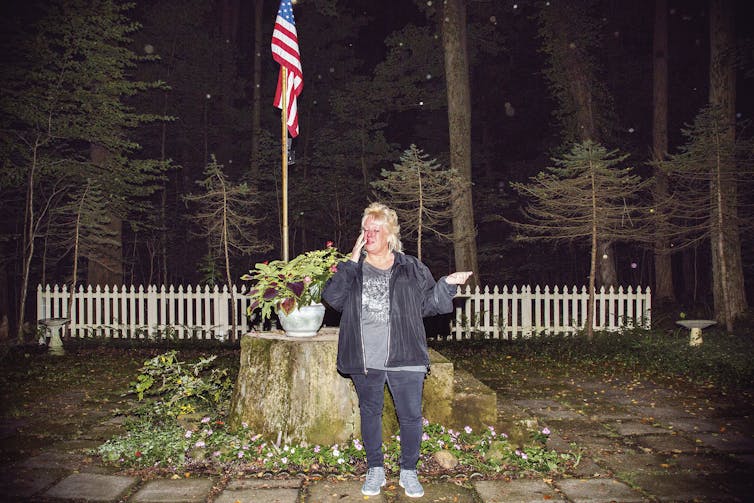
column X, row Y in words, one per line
column 383, row 296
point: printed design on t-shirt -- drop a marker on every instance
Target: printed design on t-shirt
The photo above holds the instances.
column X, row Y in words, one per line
column 375, row 296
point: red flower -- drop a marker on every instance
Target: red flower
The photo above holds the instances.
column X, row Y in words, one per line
column 334, row 268
column 138, row 454
column 329, row 244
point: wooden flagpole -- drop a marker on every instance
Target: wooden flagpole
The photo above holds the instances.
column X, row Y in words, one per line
column 284, row 115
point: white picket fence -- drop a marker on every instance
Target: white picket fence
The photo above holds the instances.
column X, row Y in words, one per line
column 151, row 312
column 204, row 312
column 523, row 312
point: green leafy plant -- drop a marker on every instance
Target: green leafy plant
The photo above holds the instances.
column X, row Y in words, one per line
column 211, row 442
column 298, row 282
column 175, row 387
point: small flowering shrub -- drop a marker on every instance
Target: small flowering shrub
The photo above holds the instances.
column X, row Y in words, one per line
column 171, row 387
column 212, row 443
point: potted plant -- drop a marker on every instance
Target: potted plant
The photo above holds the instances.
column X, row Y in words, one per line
column 288, row 288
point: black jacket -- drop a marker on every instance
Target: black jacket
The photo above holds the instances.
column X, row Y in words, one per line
column 413, row 296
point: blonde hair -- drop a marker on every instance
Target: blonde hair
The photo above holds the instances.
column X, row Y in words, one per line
column 383, row 215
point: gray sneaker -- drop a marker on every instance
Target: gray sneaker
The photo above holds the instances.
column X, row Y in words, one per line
column 375, row 480
column 410, row 482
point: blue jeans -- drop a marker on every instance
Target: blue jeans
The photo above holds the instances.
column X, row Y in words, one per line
column 406, row 388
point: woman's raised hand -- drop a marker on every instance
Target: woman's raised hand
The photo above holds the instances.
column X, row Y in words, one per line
column 458, row 278
column 358, row 246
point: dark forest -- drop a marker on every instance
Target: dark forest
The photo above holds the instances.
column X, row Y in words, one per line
column 114, row 116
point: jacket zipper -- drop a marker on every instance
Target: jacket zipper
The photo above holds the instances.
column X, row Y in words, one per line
column 361, row 323
column 389, row 306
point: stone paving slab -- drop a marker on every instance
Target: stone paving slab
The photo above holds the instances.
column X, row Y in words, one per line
column 727, row 442
column 661, row 412
column 52, row 459
column 262, row 495
column 19, row 484
column 634, row 428
column 680, row 487
column 694, row 425
column 634, row 462
column 91, row 487
column 667, row 443
column 597, row 491
column 174, row 491
column 516, row 491
column 598, row 444
column 75, row 445
column 260, row 490
column 240, row 484
column 706, row 463
column 549, row 409
column 348, row 491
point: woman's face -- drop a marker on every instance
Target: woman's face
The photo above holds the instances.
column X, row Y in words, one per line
column 375, row 237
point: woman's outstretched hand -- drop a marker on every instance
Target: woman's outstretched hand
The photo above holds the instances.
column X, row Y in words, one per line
column 458, row 278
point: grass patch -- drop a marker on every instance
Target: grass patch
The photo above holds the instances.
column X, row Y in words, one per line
column 722, row 361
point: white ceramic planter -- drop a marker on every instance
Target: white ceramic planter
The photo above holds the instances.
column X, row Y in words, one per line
column 303, row 321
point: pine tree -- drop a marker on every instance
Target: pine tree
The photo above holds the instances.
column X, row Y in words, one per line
column 587, row 198
column 420, row 191
column 693, row 210
column 225, row 212
column 64, row 99
column 571, row 35
column 81, row 226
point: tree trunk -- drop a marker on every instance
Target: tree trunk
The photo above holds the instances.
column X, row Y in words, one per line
column 28, row 243
column 226, row 254
column 453, row 27
column 727, row 271
column 256, row 116
column 106, row 264
column 663, row 290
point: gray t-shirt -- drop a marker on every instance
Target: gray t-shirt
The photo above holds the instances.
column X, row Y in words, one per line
column 375, row 318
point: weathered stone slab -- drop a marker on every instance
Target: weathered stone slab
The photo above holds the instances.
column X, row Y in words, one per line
column 174, row 491
column 679, row 487
column 727, row 442
column 474, row 404
column 597, row 444
column 435, row 492
column 516, row 491
column 19, row 484
column 635, row 428
column 534, row 404
column 239, row 484
column 349, row 491
column 694, row 425
column 597, row 491
column 662, row 412
column 52, row 459
column 667, row 443
column 705, row 463
column 265, row 495
column 549, row 409
column 77, row 445
column 91, row 487
column 633, row 462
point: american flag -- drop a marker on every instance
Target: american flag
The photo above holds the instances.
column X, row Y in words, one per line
column 285, row 52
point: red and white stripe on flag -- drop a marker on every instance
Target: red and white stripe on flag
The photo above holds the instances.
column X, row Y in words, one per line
column 285, row 52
